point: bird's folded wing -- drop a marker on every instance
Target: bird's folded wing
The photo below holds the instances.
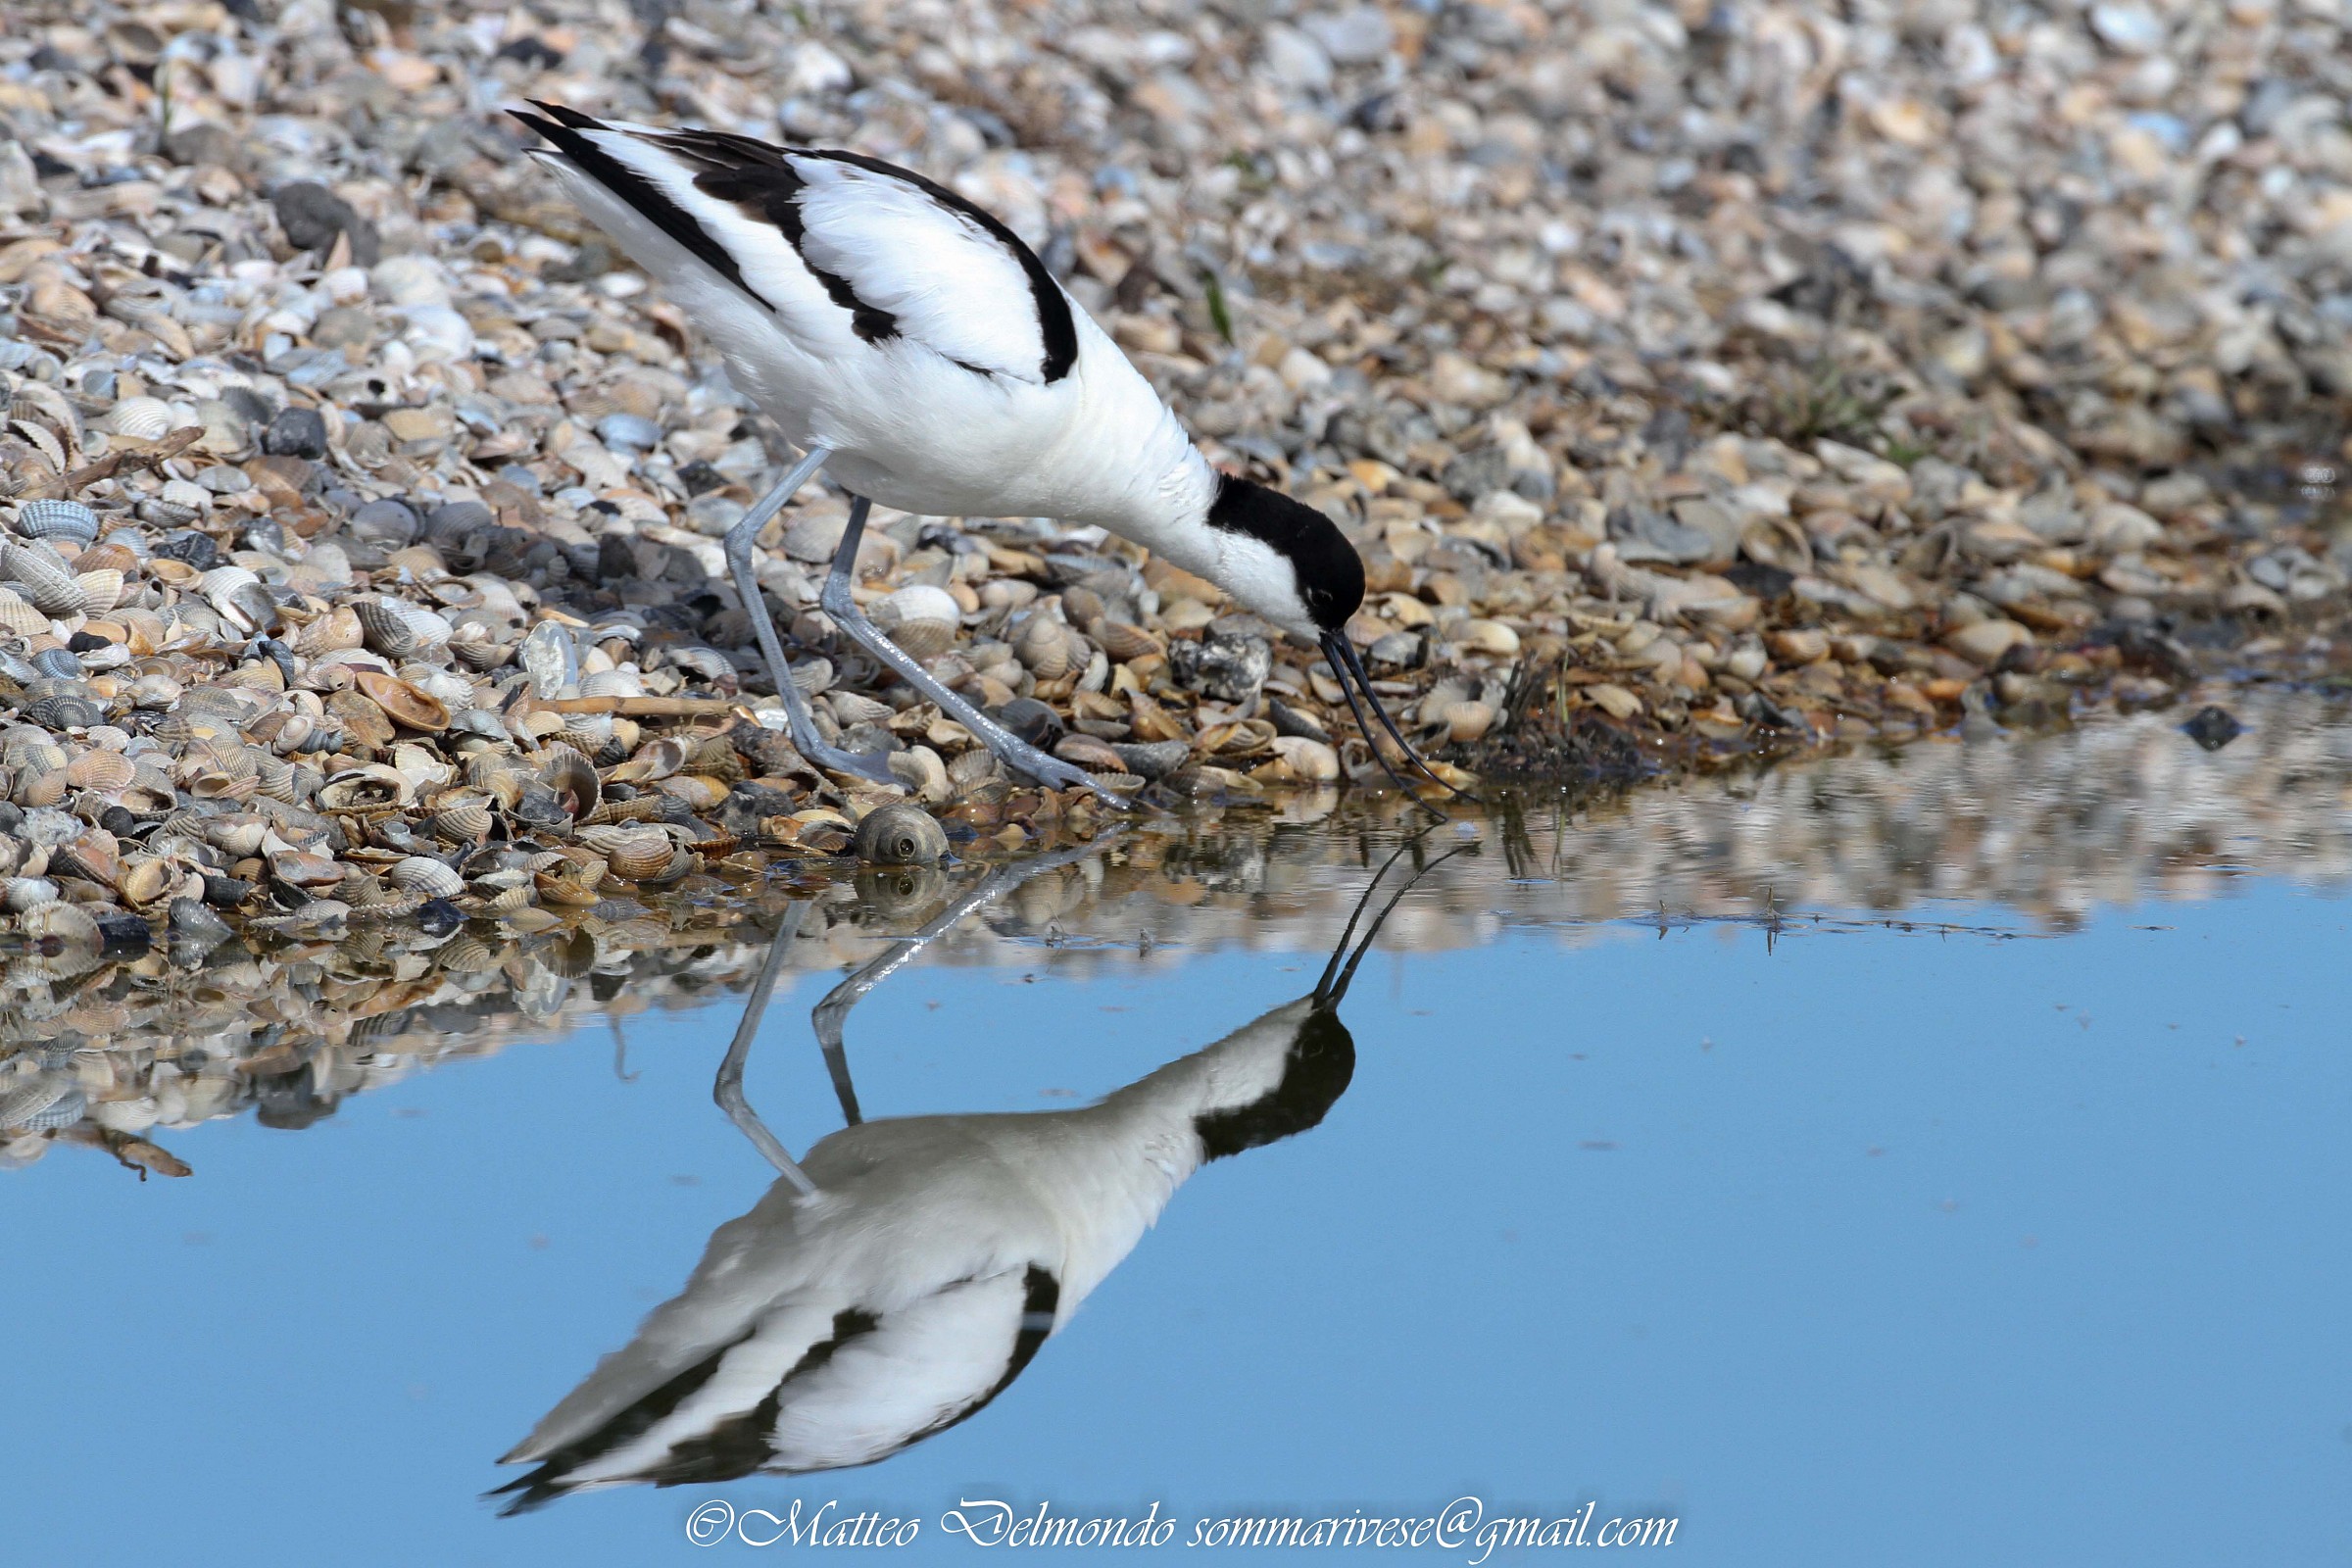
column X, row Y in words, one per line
column 849, row 252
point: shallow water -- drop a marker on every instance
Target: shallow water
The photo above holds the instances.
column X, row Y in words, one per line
column 1925, row 1158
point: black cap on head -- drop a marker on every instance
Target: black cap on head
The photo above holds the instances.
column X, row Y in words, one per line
column 1331, row 574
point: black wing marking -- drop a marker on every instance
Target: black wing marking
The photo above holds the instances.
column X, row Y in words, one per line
column 565, row 128
column 760, row 181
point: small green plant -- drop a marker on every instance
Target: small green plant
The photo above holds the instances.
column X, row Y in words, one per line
column 1220, row 316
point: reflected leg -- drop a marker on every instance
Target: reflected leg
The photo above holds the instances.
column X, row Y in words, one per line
column 728, row 1088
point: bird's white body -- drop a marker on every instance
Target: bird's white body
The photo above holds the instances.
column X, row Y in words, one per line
column 954, row 412
column 833, row 1328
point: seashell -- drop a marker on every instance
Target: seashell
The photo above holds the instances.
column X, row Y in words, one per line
column 463, row 822
column 1246, row 737
column 36, row 787
column 1042, row 646
column 61, row 940
column 101, row 770
column 613, row 683
column 403, row 703
column 814, row 676
column 387, row 627
column 276, row 779
column 551, row 658
column 372, row 787
column 589, row 732
column 240, row 834
column 900, row 834
column 43, row 578
column 57, row 521
column 653, row 761
column 150, row 792
column 855, row 708
column 112, row 555
column 145, row 878
column 427, row 877
column 420, row 767
column 63, row 711
column 576, row 890
column 303, row 870
column 336, row 631
column 1467, row 720
column 476, row 648
column 18, row 617
column 101, row 590
column 25, row 893
column 218, row 784
column 573, row 779
column 187, row 495
column 635, row 853
column 44, row 440
column 1310, row 760
column 1124, row 642
column 140, row 418
column 510, row 901
column 58, row 664
column 700, row 792
column 921, row 770
column 921, row 619
column 972, row 767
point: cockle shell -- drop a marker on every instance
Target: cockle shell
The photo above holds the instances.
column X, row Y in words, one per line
column 101, row 590
column 140, row 418
column 634, row 853
column 387, row 627
column 699, row 791
column 652, row 761
column 101, row 770
column 58, row 521
column 921, row 618
column 43, row 578
column 61, row 940
column 1124, row 642
column 922, row 772
column 18, row 616
column 303, row 870
column 464, row 821
column 431, row 878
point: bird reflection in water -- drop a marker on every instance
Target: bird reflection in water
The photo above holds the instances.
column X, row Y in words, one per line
column 901, row 1276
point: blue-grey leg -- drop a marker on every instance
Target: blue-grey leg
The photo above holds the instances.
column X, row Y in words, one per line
column 728, row 1088
column 740, row 547
column 842, row 606
column 831, row 1015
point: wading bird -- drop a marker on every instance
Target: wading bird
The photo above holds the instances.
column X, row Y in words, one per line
column 911, row 345
column 901, row 1276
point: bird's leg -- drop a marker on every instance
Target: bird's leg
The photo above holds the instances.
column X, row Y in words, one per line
column 839, row 604
column 740, row 548
column 728, row 1088
column 832, row 1015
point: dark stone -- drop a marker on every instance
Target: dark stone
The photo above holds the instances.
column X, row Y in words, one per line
column 312, row 216
column 1643, row 534
column 1151, row 759
column 1288, row 720
column 296, row 433
column 747, row 803
column 438, row 917
column 1032, row 721
column 1227, row 665
column 196, row 548
column 117, row 821
column 1759, row 582
column 533, row 52
column 124, row 936
column 615, row 557
column 698, row 476
column 202, row 143
column 86, row 642
column 226, row 892
column 2213, row 727
column 2150, row 650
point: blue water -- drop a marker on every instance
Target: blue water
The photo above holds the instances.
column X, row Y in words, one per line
column 1873, row 1246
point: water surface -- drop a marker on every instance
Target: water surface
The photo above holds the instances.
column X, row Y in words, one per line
column 1917, row 1157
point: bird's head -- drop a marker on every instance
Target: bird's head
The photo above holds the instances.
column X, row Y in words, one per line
column 1292, row 563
